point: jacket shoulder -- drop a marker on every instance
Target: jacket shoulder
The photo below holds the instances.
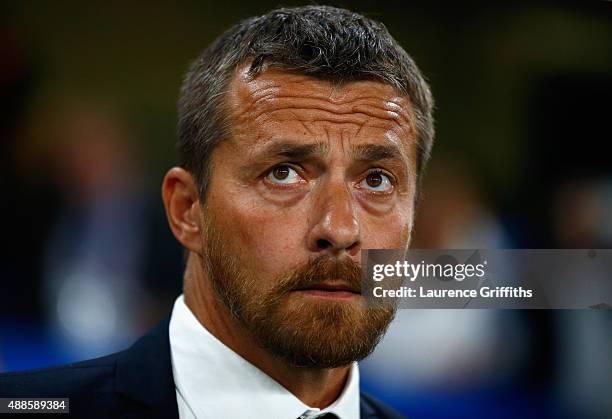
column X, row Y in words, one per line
column 373, row 407
column 136, row 382
column 69, row 380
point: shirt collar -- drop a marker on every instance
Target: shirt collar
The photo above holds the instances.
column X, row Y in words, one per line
column 214, row 381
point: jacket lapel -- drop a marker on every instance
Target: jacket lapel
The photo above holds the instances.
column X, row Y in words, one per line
column 144, row 376
column 366, row 411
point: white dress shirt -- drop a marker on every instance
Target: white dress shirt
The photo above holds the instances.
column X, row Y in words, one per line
column 212, row 381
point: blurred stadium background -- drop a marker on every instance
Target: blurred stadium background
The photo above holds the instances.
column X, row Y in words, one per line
column 522, row 160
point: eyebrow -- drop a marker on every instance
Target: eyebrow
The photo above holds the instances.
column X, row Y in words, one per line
column 374, row 152
column 295, row 151
column 361, row 152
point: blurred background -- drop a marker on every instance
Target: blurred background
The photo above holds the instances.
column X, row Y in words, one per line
column 521, row 160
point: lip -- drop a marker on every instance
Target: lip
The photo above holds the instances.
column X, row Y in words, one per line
column 337, row 290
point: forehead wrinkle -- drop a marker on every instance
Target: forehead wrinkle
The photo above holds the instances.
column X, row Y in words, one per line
column 270, row 102
column 273, row 96
column 274, row 90
column 284, row 82
column 302, row 122
column 315, row 114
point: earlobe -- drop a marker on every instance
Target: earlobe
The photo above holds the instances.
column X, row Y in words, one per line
column 181, row 201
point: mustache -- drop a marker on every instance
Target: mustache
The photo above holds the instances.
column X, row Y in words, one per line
column 323, row 268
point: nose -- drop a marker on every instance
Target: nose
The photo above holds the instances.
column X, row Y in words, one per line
column 335, row 227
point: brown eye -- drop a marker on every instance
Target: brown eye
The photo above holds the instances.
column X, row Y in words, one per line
column 283, row 175
column 377, row 182
column 280, row 172
column 374, row 179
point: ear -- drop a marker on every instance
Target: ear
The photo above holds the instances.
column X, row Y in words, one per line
column 182, row 203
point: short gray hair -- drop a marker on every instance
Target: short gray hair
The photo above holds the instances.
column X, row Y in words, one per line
column 324, row 42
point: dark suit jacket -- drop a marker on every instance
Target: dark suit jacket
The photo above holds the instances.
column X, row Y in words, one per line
column 135, row 383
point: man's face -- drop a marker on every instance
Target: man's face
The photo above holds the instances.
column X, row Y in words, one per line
column 312, row 173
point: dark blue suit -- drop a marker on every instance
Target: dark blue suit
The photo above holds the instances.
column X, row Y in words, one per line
column 135, row 383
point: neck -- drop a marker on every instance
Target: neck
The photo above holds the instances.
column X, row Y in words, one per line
column 316, row 387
